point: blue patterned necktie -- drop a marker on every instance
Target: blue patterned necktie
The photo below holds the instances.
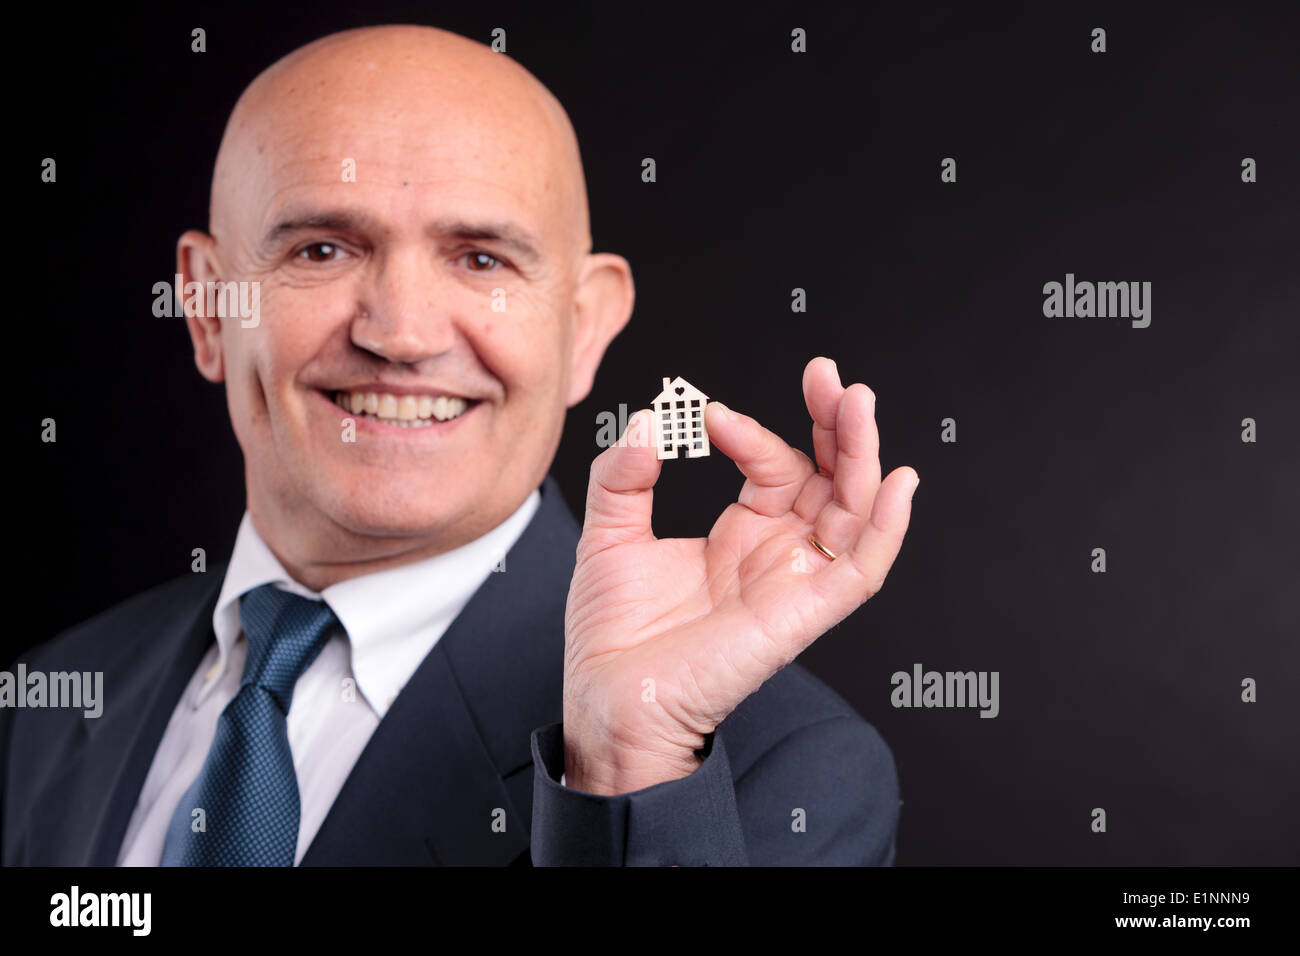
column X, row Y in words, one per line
column 247, row 789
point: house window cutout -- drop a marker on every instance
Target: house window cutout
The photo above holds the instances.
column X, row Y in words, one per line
column 685, row 430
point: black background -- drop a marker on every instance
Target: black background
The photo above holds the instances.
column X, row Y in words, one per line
column 821, row 171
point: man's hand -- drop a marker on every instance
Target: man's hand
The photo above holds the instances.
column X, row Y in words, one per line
column 664, row 638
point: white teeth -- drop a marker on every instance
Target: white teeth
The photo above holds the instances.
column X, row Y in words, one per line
column 451, row 408
column 410, row 411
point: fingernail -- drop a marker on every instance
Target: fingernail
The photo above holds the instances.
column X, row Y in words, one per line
column 915, row 484
column 731, row 416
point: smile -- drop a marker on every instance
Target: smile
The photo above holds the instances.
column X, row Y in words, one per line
column 404, row 411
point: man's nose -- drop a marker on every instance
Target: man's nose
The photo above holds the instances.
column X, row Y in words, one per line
column 406, row 313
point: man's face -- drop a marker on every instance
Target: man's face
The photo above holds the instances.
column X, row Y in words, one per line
column 417, row 266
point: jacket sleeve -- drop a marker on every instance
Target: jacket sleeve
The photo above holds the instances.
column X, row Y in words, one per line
column 692, row 821
column 825, row 794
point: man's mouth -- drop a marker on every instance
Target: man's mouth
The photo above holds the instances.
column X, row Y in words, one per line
column 405, row 411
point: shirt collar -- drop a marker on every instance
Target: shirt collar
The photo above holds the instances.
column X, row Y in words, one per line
column 393, row 618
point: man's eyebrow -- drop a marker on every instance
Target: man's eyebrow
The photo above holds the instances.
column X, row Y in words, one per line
column 335, row 220
column 505, row 233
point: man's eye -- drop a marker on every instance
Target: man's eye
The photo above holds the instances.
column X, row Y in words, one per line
column 482, row 262
column 319, row 252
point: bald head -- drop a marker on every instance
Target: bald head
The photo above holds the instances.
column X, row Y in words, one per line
column 406, row 106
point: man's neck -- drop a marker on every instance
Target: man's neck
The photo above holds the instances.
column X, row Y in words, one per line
column 320, row 558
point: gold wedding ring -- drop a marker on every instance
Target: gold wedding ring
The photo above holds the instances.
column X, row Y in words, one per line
column 812, row 539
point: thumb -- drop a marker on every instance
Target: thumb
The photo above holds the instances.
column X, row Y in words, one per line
column 621, row 490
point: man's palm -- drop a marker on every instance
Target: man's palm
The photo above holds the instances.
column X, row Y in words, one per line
column 664, row 638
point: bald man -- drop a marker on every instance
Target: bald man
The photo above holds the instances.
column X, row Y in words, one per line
column 414, row 654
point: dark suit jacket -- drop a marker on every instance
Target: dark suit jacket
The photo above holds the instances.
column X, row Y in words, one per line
column 474, row 732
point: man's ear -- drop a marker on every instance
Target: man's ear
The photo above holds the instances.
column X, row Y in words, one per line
column 602, row 304
column 196, row 261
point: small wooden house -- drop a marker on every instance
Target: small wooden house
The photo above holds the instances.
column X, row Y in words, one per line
column 679, row 420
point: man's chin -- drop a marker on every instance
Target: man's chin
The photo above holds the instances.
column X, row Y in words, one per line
column 381, row 520
column 375, row 503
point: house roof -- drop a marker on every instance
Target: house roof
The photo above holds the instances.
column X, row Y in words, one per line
column 670, row 394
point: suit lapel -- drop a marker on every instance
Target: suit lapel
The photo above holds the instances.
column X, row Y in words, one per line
column 119, row 747
column 430, row 785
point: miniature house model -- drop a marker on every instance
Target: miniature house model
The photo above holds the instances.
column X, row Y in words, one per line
column 679, row 420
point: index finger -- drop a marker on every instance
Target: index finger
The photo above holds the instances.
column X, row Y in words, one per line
column 775, row 472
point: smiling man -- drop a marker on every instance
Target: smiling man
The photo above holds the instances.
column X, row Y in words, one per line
column 357, row 686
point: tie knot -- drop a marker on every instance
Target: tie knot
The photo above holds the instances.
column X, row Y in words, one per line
column 285, row 633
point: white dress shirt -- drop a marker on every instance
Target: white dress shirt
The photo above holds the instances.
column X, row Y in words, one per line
column 392, row 620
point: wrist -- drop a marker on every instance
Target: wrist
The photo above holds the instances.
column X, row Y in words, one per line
column 607, row 769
